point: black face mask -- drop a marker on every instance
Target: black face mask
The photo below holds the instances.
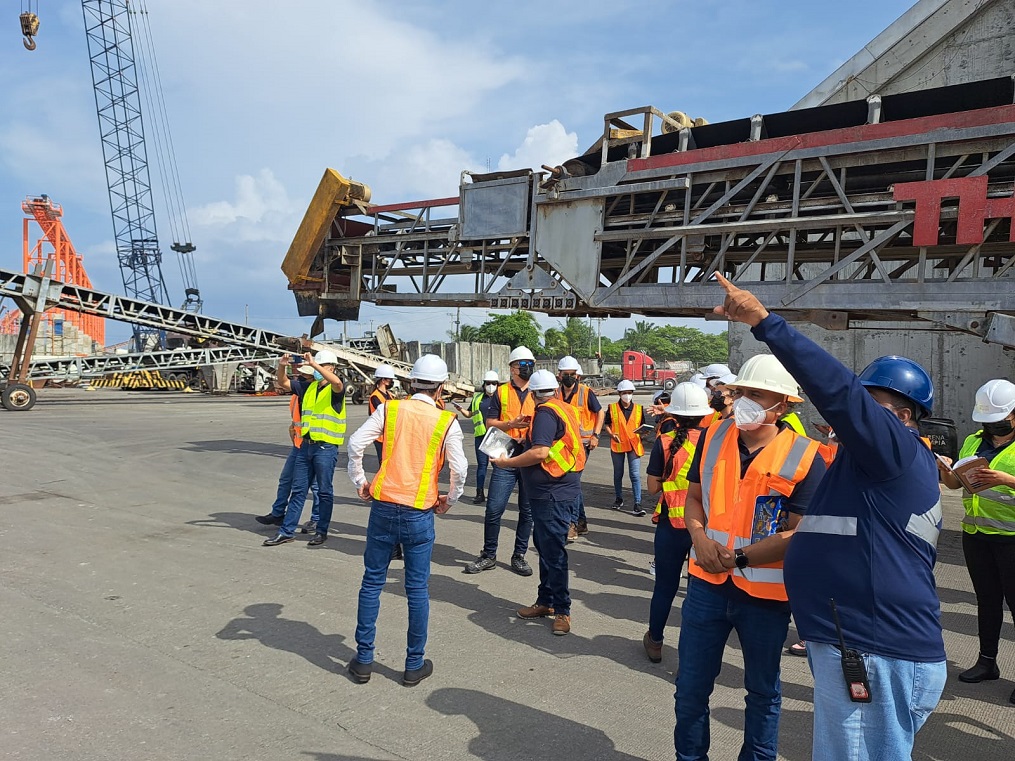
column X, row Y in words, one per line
column 525, row 371
column 717, row 402
column 568, row 381
column 1000, row 429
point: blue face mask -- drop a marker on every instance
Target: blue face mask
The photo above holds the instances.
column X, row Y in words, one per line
column 317, row 375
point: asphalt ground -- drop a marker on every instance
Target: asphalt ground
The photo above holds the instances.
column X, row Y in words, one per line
column 142, row 618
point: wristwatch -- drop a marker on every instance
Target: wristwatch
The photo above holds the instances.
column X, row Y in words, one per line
column 740, row 559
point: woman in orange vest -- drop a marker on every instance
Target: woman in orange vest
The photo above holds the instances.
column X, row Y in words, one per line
column 623, row 419
column 550, row 468
column 285, row 478
column 667, row 476
column 384, row 379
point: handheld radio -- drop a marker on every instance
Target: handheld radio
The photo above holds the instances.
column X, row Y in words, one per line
column 853, row 667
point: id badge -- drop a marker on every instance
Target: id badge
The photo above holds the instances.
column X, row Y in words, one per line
column 770, row 517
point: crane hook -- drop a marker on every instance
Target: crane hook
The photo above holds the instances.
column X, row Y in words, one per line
column 29, row 28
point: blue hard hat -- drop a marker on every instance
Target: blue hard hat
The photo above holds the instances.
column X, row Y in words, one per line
column 903, row 376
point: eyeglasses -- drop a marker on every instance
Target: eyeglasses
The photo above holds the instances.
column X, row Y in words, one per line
column 525, row 363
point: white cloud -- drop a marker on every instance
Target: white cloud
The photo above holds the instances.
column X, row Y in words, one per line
column 260, row 211
column 548, row 144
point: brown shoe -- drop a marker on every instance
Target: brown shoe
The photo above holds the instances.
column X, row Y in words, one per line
column 653, row 649
column 561, row 624
column 535, row 611
column 572, row 533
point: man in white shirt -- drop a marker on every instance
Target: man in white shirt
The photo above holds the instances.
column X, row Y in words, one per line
column 416, row 438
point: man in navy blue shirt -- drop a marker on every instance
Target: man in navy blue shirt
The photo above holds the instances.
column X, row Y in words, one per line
column 868, row 541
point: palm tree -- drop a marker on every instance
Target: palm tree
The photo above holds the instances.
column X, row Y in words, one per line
column 639, row 337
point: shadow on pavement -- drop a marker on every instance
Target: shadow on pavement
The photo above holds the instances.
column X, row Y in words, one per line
column 234, row 446
column 509, row 730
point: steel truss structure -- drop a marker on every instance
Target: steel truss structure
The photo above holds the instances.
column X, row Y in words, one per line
column 830, row 215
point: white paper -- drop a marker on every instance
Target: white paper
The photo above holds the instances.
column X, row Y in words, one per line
column 496, row 443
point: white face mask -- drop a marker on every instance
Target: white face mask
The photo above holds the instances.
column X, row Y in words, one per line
column 489, row 388
column 749, row 415
column 626, row 398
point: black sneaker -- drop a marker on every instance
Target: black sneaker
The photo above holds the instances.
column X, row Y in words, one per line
column 520, row 566
column 618, row 503
column 412, row 677
column 310, row 527
column 316, row 539
column 270, row 519
column 637, row 512
column 480, row 498
column 482, row 563
column 360, row 672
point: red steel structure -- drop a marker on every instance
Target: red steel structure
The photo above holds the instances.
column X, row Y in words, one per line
column 55, row 245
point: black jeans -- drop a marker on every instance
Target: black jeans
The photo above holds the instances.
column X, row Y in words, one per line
column 991, row 566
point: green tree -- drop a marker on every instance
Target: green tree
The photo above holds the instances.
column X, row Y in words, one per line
column 467, row 333
column 640, row 337
column 573, row 337
column 515, row 329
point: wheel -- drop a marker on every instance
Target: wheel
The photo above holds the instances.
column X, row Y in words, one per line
column 669, row 384
column 18, row 397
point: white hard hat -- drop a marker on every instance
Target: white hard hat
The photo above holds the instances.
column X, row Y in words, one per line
column 698, row 380
column 384, row 371
column 715, row 370
column 429, row 367
column 578, row 369
column 491, row 375
column 305, row 368
column 688, row 399
column 326, row 357
column 725, row 380
column 995, row 400
column 568, row 363
column 625, row 385
column 765, row 372
column 520, row 353
column 659, row 395
column 543, row 380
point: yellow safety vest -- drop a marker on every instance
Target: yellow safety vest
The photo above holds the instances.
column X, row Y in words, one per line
column 478, row 421
column 793, row 421
column 991, row 511
column 320, row 423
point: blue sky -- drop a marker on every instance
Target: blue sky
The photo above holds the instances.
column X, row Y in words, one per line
column 403, row 96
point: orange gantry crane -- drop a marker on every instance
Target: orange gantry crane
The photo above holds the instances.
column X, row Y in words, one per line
column 54, row 245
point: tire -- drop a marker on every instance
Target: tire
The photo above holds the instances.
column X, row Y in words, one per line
column 18, row 397
column 669, row 384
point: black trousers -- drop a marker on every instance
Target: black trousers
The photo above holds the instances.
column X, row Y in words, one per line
column 991, row 566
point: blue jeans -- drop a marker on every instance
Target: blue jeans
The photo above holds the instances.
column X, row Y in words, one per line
column 285, row 488
column 502, row 483
column 482, row 461
column 707, row 618
column 392, row 524
column 671, row 548
column 550, row 521
column 904, row 694
column 316, row 464
column 633, row 469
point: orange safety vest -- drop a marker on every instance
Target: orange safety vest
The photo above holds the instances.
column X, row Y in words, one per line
column 675, row 483
column 567, row 455
column 580, row 401
column 828, row 452
column 296, row 426
column 708, row 420
column 377, row 398
column 412, row 454
column 730, row 501
column 627, row 429
column 511, row 407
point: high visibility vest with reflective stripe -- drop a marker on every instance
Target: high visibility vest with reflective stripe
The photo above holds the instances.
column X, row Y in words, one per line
column 712, row 419
column 412, row 454
column 828, row 452
column 478, row 421
column 992, row 511
column 295, row 428
column 627, row 429
column 377, row 398
column 511, row 407
column 580, row 401
column 729, row 501
column 320, row 421
column 567, row 454
column 675, row 482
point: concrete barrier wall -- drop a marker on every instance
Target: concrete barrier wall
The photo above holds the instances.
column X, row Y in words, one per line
column 470, row 361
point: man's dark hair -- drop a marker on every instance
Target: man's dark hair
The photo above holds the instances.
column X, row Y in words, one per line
column 903, row 403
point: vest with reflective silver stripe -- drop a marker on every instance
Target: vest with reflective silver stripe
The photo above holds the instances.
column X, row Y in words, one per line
column 765, row 581
column 992, row 511
column 320, row 421
column 478, row 421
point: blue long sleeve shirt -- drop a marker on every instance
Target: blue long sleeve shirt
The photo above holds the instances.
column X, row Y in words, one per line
column 869, row 539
